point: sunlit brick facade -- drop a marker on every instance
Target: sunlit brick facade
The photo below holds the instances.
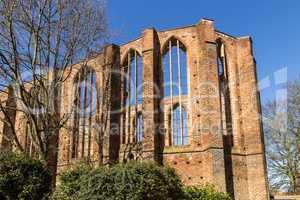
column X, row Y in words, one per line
column 184, row 97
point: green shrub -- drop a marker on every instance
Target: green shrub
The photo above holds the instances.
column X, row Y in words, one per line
column 70, row 183
column 204, row 193
column 134, row 181
column 22, row 177
column 131, row 181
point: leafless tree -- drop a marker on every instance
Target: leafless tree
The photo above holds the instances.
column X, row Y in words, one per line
column 39, row 41
column 282, row 132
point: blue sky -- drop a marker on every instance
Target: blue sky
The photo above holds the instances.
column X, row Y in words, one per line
column 274, row 26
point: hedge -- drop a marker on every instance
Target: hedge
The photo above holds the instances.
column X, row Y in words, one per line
column 22, row 177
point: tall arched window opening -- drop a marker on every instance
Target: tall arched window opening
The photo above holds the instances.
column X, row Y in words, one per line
column 85, row 108
column 175, row 86
column 221, row 60
column 179, row 128
column 133, row 92
column 175, row 69
column 224, row 93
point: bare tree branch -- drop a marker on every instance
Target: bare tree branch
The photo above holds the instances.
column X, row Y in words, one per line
column 40, row 40
column 281, row 125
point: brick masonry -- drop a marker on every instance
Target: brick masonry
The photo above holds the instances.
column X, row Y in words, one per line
column 225, row 137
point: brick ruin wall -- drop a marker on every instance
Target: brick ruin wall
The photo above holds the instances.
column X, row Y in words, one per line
column 225, row 144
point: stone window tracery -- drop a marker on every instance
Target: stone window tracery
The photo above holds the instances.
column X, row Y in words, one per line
column 175, row 87
column 132, row 98
column 84, row 111
column 179, row 126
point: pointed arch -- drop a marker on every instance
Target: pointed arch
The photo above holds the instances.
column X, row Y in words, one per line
column 132, row 90
column 175, row 84
column 84, row 101
column 172, row 38
column 132, row 63
column 224, row 92
column 125, row 55
column 221, row 59
column 174, row 68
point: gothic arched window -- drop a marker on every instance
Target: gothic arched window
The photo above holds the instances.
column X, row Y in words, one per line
column 221, row 59
column 85, row 107
column 132, row 97
column 179, row 126
column 133, row 82
column 175, row 69
column 224, row 93
column 175, row 87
